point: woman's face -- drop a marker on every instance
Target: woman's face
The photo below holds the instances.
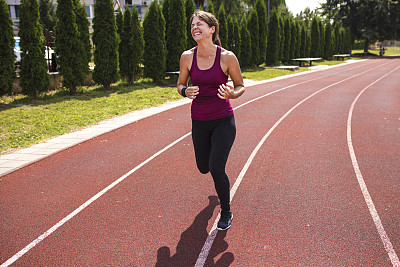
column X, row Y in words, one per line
column 201, row 30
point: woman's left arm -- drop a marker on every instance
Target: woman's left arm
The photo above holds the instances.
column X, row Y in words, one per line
column 226, row 91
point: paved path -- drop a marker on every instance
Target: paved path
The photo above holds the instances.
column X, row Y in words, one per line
column 314, row 174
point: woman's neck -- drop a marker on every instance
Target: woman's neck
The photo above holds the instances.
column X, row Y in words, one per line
column 206, row 49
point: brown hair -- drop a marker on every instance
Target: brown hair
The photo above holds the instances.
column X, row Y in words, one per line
column 211, row 20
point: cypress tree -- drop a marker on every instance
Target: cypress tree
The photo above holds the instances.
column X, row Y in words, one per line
column 281, row 38
column 176, row 35
column 262, row 29
column 293, row 40
column 137, row 43
column 245, row 44
column 165, row 11
column 72, row 58
column 303, row 44
column 125, row 48
column 298, row 43
column 119, row 20
column 105, row 40
column 314, row 38
column 336, row 34
column 223, row 26
column 342, row 40
column 83, row 28
column 210, row 7
column 7, row 57
column 189, row 8
column 34, row 76
column 286, row 50
column 236, row 38
column 273, row 39
column 321, row 38
column 230, row 41
column 252, row 25
column 154, row 43
column 348, row 40
column 328, row 41
column 47, row 16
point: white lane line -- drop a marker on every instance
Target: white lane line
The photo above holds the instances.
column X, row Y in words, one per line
column 367, row 197
column 213, row 232
column 102, row 192
column 87, row 203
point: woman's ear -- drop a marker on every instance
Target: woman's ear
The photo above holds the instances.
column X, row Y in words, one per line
column 212, row 29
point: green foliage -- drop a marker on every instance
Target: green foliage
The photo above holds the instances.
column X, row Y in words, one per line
column 315, row 36
column 368, row 19
column 293, row 40
column 34, row 76
column 281, row 37
column 125, row 47
column 7, row 57
column 236, row 38
column 105, row 41
column 321, row 39
column 273, row 39
column 262, row 29
column 328, row 41
column 176, row 34
column 223, row 26
column 286, row 49
column 137, row 43
column 165, row 11
column 245, row 45
column 336, row 34
column 230, row 40
column 119, row 20
column 233, row 7
column 210, row 7
column 83, row 28
column 253, row 27
column 154, row 43
column 47, row 12
column 303, row 44
column 72, row 57
column 189, row 9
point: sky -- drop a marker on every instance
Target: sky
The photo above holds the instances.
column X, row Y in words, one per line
column 295, row 6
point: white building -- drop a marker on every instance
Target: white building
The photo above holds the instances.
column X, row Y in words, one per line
column 140, row 5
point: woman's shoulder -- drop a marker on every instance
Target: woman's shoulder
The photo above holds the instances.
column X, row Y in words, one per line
column 227, row 55
column 188, row 53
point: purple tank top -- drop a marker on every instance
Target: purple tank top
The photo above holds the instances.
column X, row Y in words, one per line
column 207, row 105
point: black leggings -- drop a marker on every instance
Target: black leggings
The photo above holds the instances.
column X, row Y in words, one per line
column 212, row 141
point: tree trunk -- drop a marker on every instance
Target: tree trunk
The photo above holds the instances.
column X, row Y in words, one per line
column 366, row 45
column 72, row 90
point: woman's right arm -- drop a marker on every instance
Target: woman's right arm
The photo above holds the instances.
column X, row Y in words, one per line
column 185, row 63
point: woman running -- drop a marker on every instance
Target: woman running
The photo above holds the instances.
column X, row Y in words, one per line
column 213, row 124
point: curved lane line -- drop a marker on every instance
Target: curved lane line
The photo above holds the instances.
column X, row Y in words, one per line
column 213, row 232
column 102, row 192
column 367, row 197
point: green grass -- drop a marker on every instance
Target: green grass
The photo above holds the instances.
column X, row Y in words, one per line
column 388, row 52
column 262, row 73
column 25, row 121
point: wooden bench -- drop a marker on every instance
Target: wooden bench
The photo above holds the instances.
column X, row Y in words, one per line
column 173, row 73
column 307, row 59
column 341, row 56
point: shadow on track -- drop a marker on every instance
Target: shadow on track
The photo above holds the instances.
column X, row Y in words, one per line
column 192, row 241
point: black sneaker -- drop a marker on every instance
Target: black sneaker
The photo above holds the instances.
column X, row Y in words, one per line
column 225, row 221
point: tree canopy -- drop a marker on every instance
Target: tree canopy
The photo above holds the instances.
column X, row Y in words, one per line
column 368, row 19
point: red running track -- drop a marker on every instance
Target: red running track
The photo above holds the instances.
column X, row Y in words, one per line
column 314, row 173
